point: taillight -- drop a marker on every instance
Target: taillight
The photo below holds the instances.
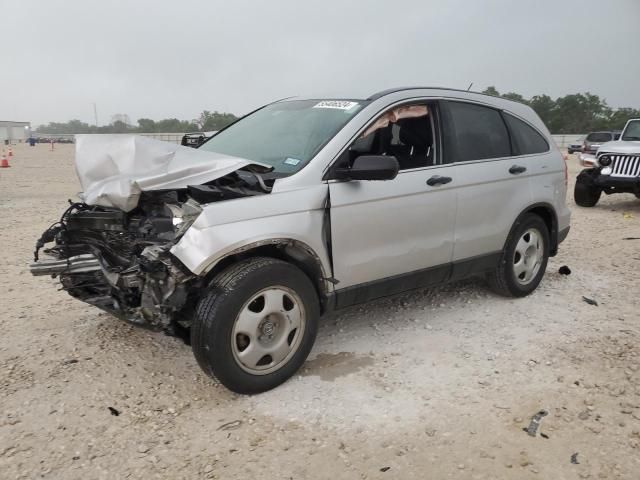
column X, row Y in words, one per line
column 566, row 172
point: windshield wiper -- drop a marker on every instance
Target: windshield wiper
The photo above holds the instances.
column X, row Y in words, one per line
column 633, row 139
column 264, row 186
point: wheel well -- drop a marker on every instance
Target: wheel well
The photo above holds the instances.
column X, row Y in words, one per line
column 290, row 251
column 549, row 217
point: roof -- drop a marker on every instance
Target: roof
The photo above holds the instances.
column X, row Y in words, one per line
column 389, row 91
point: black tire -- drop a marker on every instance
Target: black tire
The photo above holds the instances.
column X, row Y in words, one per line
column 215, row 318
column 585, row 193
column 503, row 279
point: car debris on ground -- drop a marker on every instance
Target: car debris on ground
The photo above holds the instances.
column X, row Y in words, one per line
column 590, row 301
column 532, row 429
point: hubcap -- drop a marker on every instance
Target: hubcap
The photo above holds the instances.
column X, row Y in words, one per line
column 268, row 330
column 528, row 256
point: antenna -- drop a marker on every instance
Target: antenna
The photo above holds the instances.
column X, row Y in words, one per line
column 470, row 85
column 95, row 113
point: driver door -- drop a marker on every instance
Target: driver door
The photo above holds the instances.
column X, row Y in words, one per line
column 395, row 235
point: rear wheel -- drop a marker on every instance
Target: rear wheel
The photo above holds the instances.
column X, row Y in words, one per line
column 585, row 193
column 256, row 325
column 524, row 259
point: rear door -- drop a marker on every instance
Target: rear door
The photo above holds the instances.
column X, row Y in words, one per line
column 493, row 184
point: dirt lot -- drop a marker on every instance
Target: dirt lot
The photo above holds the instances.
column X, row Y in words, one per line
column 433, row 384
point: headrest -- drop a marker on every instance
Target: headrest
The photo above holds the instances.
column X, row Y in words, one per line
column 416, row 132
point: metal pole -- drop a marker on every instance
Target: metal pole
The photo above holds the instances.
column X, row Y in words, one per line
column 95, row 113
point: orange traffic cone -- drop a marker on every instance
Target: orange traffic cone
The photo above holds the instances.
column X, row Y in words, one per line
column 10, row 152
column 4, row 163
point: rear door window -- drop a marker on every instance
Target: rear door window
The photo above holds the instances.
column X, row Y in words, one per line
column 526, row 140
column 475, row 132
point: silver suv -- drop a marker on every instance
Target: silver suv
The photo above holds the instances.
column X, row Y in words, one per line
column 303, row 207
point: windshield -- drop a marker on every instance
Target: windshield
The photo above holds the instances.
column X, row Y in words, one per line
column 632, row 132
column 599, row 137
column 286, row 135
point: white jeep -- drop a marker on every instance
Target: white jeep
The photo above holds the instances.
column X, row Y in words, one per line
column 614, row 169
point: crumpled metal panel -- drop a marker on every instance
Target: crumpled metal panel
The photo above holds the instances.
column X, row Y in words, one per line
column 114, row 169
column 224, row 227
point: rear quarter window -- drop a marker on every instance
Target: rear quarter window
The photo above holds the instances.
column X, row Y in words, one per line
column 526, row 139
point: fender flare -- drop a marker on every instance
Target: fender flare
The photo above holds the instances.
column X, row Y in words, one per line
column 549, row 216
column 295, row 251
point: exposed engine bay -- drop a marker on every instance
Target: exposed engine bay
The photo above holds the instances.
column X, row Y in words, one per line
column 120, row 261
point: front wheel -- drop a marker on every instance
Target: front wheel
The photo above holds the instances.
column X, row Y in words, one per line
column 524, row 258
column 256, row 325
column 585, row 193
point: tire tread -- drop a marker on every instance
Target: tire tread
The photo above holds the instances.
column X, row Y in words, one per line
column 498, row 279
column 224, row 285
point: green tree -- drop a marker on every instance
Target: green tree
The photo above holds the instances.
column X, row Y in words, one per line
column 491, row 91
column 544, row 106
column 146, row 125
column 619, row 118
column 516, row 97
column 208, row 121
column 119, row 126
column 579, row 113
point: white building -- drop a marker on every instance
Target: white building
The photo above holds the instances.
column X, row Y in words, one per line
column 14, row 132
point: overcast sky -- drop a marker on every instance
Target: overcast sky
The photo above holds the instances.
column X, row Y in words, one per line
column 159, row 59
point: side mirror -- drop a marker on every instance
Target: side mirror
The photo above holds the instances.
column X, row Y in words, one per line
column 370, row 167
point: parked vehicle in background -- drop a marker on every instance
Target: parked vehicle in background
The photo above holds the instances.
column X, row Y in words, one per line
column 614, row 169
column 576, row 146
column 307, row 206
column 195, row 139
column 594, row 140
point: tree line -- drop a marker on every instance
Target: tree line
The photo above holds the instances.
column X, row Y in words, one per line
column 575, row 113
column 207, row 121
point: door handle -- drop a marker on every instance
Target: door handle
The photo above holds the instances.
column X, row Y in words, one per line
column 438, row 180
column 517, row 169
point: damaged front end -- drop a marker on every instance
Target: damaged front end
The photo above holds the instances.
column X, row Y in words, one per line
column 121, row 262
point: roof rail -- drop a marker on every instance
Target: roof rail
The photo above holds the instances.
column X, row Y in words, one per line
column 389, row 91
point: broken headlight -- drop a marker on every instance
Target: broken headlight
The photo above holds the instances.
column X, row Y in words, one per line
column 184, row 215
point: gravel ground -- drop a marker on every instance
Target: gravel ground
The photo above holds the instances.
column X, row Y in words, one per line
column 433, row 384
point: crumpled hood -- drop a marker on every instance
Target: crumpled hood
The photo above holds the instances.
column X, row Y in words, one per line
column 114, row 169
column 623, row 147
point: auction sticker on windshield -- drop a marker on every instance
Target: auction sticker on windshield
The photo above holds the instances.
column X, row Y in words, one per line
column 338, row 104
